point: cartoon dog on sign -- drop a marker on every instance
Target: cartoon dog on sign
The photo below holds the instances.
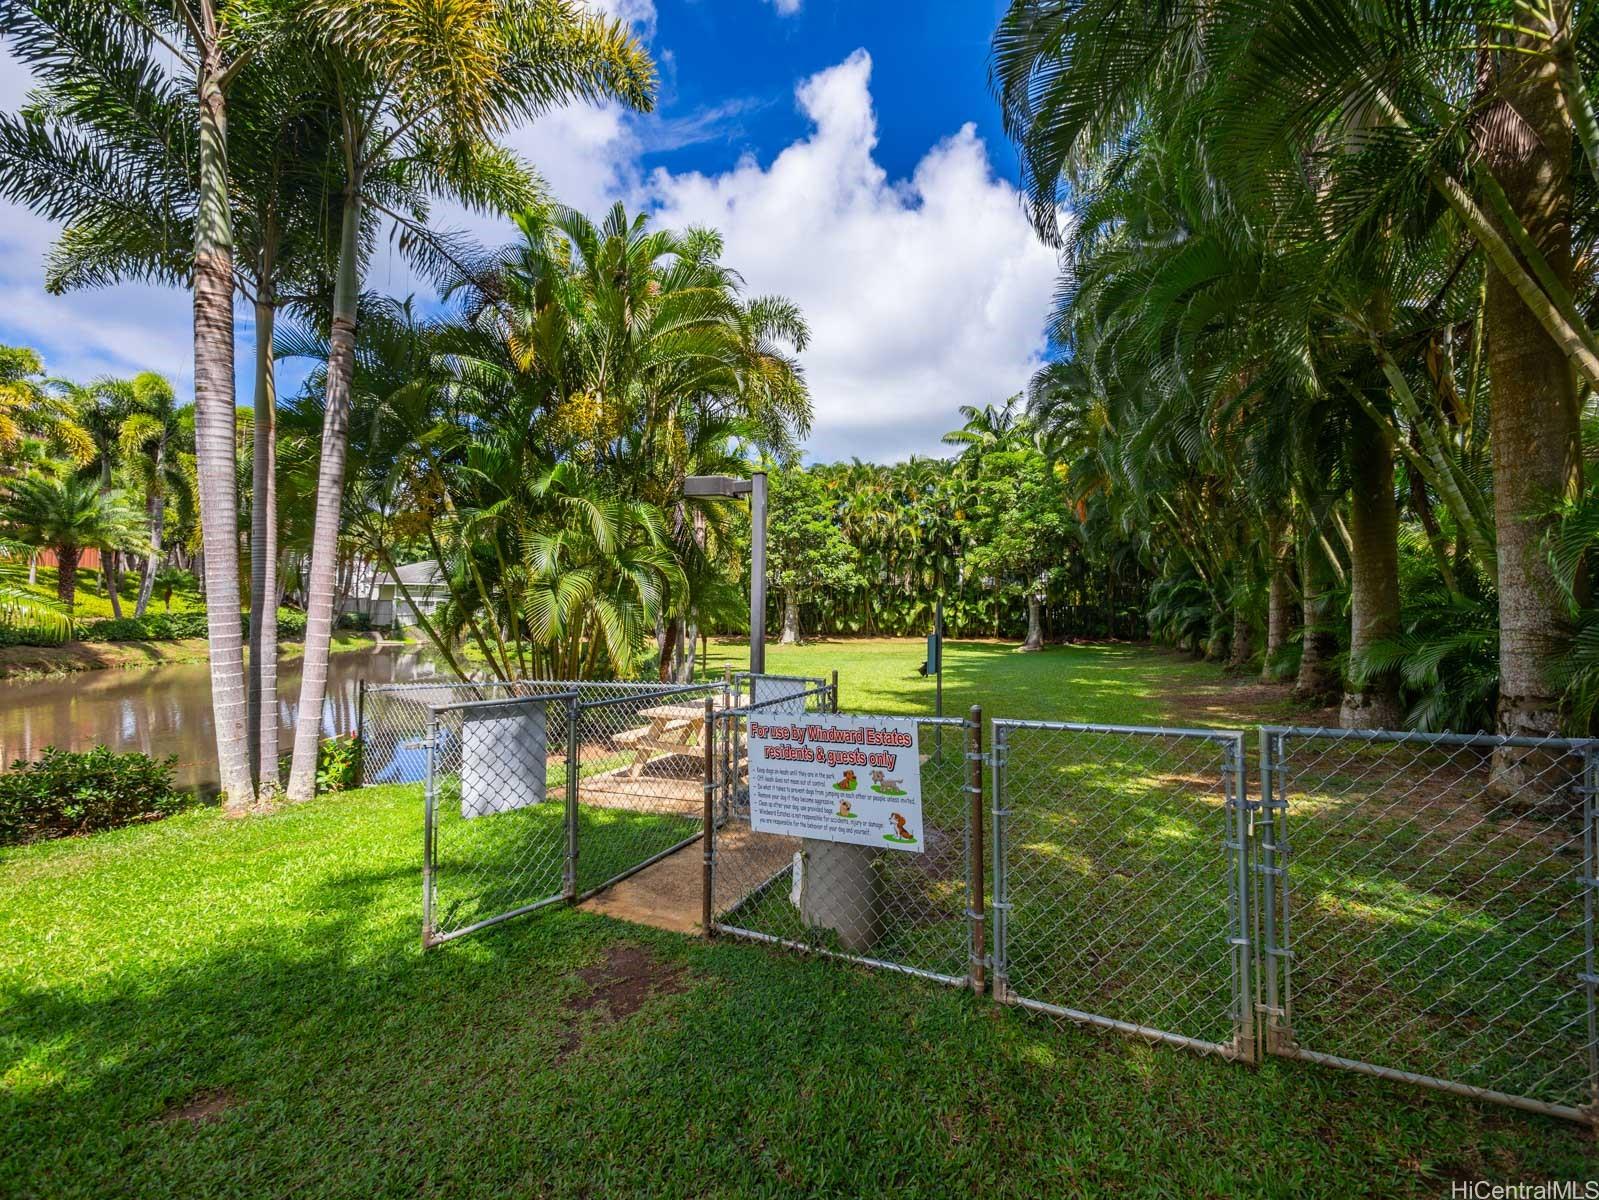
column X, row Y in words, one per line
column 902, row 831
column 885, row 786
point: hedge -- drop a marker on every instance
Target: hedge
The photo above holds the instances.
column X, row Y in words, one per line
column 152, row 627
column 64, row 793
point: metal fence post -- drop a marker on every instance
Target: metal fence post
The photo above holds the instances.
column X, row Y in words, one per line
column 1590, row 882
column 574, row 772
column 1001, row 902
column 708, row 873
column 360, row 732
column 1243, row 948
column 835, row 691
column 974, row 845
column 430, row 794
column 1272, row 802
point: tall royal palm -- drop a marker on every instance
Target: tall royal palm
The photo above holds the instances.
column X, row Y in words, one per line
column 422, row 91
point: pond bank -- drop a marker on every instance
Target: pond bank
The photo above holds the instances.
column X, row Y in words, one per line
column 69, row 658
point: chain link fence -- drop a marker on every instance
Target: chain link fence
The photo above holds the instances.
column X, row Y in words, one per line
column 1427, row 910
column 909, row 912
column 642, row 778
column 535, row 791
column 1120, row 888
column 1414, row 906
column 496, row 840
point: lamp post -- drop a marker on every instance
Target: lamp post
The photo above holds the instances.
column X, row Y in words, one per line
column 727, row 487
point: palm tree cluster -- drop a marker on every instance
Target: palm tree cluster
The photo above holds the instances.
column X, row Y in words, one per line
column 1325, row 321
column 534, row 439
column 90, row 467
column 257, row 150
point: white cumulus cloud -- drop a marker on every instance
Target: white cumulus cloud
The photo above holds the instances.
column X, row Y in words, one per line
column 922, row 294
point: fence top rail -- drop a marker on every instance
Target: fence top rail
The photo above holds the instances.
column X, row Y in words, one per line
column 1214, row 735
column 500, row 702
column 788, row 698
column 654, row 691
column 562, row 684
column 1486, row 740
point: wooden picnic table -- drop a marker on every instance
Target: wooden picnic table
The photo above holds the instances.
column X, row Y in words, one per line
column 672, row 729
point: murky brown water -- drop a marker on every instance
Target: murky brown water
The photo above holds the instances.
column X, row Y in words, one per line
column 167, row 710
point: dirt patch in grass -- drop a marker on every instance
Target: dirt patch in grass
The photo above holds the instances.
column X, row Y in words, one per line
column 1240, row 700
column 203, row 1108
column 619, row 985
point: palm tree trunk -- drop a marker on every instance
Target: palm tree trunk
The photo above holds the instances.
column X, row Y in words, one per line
column 1243, row 647
column 216, row 456
column 1035, row 625
column 158, row 520
column 1372, row 703
column 329, row 502
column 33, row 569
column 67, row 575
column 108, row 576
column 1279, row 597
column 1526, row 142
column 791, row 618
column 264, row 550
column 1318, row 677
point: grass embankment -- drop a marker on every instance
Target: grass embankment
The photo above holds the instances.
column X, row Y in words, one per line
column 92, row 604
column 39, row 662
column 204, row 1007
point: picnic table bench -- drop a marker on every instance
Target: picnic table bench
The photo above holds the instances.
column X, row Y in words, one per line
column 672, row 729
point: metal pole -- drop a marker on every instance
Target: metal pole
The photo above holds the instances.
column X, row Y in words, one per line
column 758, row 573
column 574, row 771
column 1590, row 839
column 429, row 793
column 835, row 690
column 1266, row 894
column 1238, row 785
column 360, row 733
column 938, row 682
column 1001, row 905
column 974, row 849
column 708, row 828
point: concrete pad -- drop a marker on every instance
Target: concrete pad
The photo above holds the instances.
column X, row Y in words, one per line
column 668, row 894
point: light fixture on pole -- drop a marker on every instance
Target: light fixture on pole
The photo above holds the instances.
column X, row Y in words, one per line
column 727, row 487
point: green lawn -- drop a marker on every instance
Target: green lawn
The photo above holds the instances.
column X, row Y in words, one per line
column 1104, row 682
column 90, row 602
column 212, row 1008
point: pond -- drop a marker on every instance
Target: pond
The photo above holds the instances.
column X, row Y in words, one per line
column 167, row 710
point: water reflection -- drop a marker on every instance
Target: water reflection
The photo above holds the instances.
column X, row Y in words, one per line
column 167, row 710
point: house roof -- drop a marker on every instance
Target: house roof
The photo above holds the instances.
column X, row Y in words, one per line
column 418, row 574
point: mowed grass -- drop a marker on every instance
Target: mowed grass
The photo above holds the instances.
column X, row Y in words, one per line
column 204, row 1007
column 1108, row 682
column 90, row 601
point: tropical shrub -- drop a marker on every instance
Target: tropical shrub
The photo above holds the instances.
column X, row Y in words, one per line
column 338, row 763
column 152, row 627
column 66, row 793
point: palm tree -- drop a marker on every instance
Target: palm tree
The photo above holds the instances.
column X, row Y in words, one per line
column 68, row 516
column 1365, row 137
column 420, row 95
column 150, row 438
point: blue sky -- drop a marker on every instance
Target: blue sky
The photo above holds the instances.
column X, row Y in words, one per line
column 849, row 152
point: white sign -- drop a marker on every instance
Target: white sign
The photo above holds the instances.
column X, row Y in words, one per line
column 837, row 779
column 503, row 748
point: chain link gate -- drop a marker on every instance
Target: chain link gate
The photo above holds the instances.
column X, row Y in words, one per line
column 918, row 914
column 537, row 791
column 1427, row 911
column 1121, row 881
